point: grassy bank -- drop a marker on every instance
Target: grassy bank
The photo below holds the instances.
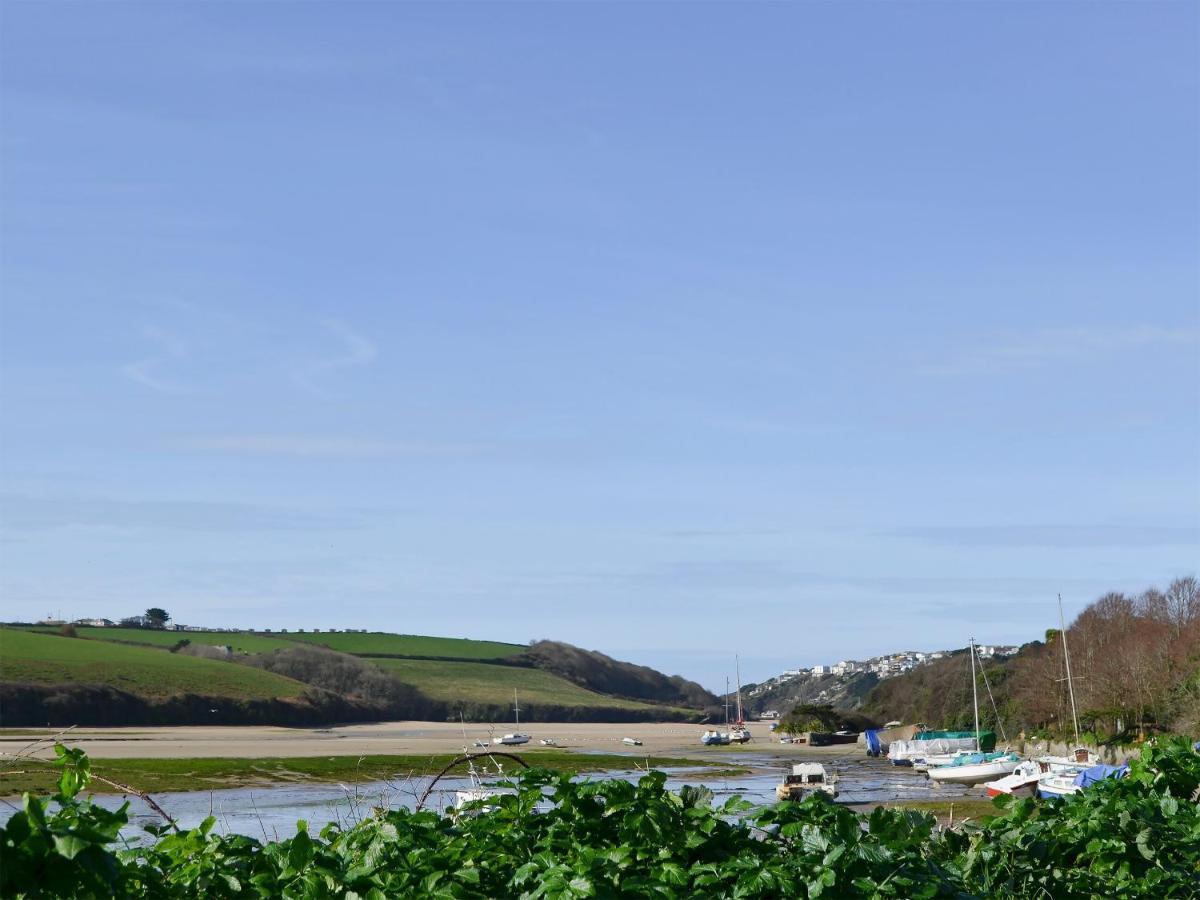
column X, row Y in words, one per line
column 32, row 658
column 200, row 774
column 456, row 682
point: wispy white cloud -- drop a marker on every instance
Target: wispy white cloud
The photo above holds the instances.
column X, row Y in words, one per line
column 354, row 351
column 144, row 371
column 24, row 514
column 1063, row 345
column 1053, row 535
column 319, row 446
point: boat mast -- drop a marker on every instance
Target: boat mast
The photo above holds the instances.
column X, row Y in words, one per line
column 975, row 696
column 516, row 709
column 1067, row 656
column 726, row 701
column 738, row 669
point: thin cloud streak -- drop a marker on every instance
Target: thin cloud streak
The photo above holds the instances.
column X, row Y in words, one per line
column 356, row 350
column 1052, row 535
column 24, row 514
column 1063, row 345
column 143, row 371
column 319, row 446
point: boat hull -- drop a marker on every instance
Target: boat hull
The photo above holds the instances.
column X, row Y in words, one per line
column 973, row 774
column 795, row 792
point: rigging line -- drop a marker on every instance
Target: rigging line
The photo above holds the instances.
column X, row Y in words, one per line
column 999, row 721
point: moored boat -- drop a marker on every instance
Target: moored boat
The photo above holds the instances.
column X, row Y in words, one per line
column 975, row 768
column 805, row 779
column 1022, row 782
column 1063, row 784
column 517, row 737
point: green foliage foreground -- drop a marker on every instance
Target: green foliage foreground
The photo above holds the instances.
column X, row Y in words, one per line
column 1129, row 838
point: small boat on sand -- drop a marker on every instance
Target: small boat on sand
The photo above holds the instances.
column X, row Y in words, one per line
column 632, row 742
column 517, row 737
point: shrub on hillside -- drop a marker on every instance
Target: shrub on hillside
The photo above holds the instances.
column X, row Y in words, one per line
column 602, row 673
column 343, row 674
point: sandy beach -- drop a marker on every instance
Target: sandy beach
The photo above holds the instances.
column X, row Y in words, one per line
column 658, row 739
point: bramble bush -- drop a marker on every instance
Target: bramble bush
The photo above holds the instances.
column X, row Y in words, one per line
column 1136, row 837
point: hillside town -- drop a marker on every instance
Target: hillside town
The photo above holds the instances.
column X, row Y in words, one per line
column 885, row 666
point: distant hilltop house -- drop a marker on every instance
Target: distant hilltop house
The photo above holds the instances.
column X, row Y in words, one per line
column 95, row 623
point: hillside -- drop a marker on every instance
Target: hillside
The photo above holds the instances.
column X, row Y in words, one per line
column 50, row 659
column 144, row 676
column 843, row 692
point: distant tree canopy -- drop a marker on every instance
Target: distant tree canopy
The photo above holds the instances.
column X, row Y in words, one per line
column 1135, row 666
column 157, row 617
column 598, row 672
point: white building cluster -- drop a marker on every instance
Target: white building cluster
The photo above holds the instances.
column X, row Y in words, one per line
column 884, row 666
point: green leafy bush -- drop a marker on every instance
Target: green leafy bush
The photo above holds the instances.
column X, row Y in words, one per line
column 1137, row 837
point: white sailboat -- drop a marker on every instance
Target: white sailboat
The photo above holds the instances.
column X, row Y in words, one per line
column 974, row 768
column 1058, row 774
column 739, row 734
column 713, row 736
column 516, row 737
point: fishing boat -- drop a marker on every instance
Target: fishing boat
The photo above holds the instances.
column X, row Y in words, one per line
column 517, row 737
column 632, row 742
column 805, row 779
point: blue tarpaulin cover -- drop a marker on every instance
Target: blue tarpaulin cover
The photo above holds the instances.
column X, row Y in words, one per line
column 873, row 746
column 1090, row 776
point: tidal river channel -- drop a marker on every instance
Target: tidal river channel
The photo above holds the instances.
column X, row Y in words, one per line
column 271, row 811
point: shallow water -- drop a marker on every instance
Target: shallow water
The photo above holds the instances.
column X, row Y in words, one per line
column 271, row 812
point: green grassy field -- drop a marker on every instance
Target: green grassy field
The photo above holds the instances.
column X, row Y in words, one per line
column 163, row 775
column 376, row 643
column 488, row 683
column 244, row 641
column 27, row 656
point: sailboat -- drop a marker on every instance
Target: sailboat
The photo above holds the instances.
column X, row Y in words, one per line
column 715, row 737
column 516, row 737
column 1060, row 774
column 739, row 734
column 975, row 768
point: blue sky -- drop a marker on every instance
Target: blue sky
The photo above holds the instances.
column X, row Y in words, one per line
column 798, row 331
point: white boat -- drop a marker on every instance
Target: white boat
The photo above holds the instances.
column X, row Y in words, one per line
column 739, row 734
column 713, row 737
column 1057, row 784
column 1021, row 782
column 964, row 772
column 1059, row 773
column 974, row 768
column 472, row 800
column 805, row 779
column 517, row 737
column 548, row 742
column 632, row 742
